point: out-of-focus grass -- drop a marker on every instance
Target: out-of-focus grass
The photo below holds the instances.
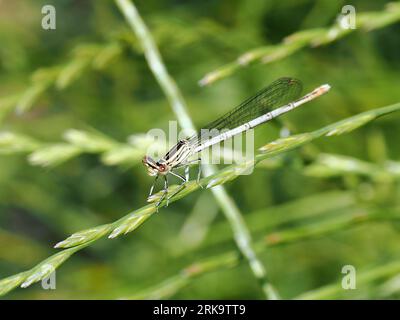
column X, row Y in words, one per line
column 366, row 21
column 132, row 221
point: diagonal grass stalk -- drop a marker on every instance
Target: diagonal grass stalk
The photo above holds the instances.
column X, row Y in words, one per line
column 178, row 105
column 231, row 259
column 366, row 21
column 134, row 219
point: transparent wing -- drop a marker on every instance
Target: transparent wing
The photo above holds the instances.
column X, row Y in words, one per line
column 277, row 94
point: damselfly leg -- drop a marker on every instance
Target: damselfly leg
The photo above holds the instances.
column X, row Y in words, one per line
column 182, row 184
column 187, row 164
column 165, row 193
column 186, row 178
column 152, row 187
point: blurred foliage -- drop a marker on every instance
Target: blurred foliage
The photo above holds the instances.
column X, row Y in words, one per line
column 311, row 211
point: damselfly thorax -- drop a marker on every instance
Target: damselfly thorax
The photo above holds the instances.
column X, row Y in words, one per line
column 278, row 98
column 178, row 154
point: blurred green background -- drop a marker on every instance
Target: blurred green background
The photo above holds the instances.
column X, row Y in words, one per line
column 117, row 96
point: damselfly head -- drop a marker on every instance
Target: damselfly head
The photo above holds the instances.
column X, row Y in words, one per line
column 151, row 166
column 155, row 167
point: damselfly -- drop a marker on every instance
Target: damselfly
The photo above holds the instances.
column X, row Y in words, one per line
column 274, row 100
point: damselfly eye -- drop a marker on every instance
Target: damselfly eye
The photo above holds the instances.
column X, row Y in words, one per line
column 162, row 167
column 149, row 162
